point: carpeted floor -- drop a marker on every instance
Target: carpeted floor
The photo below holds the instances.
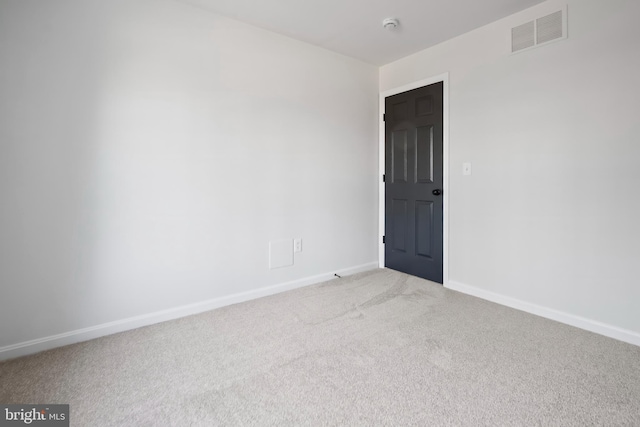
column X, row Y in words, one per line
column 376, row 348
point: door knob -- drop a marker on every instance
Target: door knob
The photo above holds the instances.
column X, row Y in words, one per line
column 436, row 192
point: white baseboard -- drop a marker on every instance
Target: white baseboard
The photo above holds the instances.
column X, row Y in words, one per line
column 72, row 337
column 610, row 331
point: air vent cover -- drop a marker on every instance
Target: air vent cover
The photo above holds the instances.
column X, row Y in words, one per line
column 523, row 36
column 549, row 27
column 540, row 31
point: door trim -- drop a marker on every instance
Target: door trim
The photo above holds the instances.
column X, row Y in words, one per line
column 444, row 78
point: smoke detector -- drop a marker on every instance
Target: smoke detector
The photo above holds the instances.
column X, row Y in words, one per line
column 390, row 23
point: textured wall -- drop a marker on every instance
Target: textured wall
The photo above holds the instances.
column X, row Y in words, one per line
column 150, row 151
column 550, row 214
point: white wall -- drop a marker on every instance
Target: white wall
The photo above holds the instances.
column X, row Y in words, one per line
column 550, row 216
column 150, row 150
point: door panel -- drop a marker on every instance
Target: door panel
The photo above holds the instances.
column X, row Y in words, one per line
column 400, row 223
column 424, row 155
column 414, row 166
column 399, row 153
column 424, row 224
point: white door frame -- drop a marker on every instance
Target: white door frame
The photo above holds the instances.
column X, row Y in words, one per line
column 445, row 161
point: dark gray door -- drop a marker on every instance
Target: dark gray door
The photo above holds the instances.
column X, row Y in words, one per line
column 413, row 182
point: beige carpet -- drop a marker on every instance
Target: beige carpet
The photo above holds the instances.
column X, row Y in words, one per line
column 377, row 348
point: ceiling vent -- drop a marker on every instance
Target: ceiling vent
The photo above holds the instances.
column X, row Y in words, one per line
column 546, row 29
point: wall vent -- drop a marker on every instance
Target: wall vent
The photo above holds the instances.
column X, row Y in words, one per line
column 523, row 36
column 546, row 29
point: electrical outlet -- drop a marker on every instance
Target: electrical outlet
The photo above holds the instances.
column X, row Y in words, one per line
column 297, row 245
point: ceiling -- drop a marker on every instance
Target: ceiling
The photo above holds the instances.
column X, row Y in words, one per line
column 354, row 27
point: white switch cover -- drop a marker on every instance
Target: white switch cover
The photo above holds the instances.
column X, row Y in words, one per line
column 297, row 245
column 466, row 168
column 280, row 253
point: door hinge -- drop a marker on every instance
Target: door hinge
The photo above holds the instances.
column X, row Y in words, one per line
column 384, row 178
column 384, row 239
column 384, row 117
